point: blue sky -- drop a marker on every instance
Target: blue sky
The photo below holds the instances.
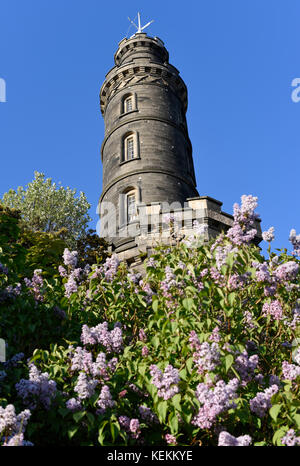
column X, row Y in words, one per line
column 237, row 58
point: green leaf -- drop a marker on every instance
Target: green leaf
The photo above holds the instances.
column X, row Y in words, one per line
column 101, row 436
column 114, row 429
column 176, row 401
column 162, row 408
column 296, row 418
column 79, row 415
column 72, row 431
column 188, row 303
column 274, row 411
column 173, row 423
column 228, row 362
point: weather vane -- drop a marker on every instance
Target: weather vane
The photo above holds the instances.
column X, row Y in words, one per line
column 139, row 27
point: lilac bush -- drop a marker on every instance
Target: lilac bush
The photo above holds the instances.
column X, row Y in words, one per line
column 202, row 348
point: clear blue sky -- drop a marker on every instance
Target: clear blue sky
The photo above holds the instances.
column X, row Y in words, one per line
column 238, row 59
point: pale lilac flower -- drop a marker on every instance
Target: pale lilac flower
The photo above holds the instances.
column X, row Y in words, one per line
column 214, row 401
column 73, row 404
column 170, row 439
column 246, row 366
column 166, row 381
column 290, row 371
column 295, row 240
column 85, row 387
column 38, row 388
column 105, row 399
column 261, row 403
column 273, row 309
column 62, row 271
column 268, row 235
column 215, row 335
column 290, row 439
column 70, row 258
column 12, row 424
column 207, row 357
column 145, row 351
column 142, row 335
column 228, row 440
column 287, row 271
column 147, row 415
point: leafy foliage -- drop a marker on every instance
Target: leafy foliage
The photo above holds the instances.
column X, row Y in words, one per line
column 201, row 350
column 46, row 207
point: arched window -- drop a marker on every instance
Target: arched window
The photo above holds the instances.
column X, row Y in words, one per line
column 131, row 212
column 129, row 200
column 129, row 149
column 128, row 103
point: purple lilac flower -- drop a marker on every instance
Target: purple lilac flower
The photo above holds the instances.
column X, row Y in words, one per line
column 169, row 282
column 222, row 252
column 170, row 439
column 110, row 267
column 62, row 271
column 214, row 401
column 12, row 424
column 274, row 380
column 246, row 366
column 262, row 272
column 194, row 340
column 38, row 388
column 147, row 289
column 134, row 277
column 290, row 371
column 124, row 422
column 295, row 240
column 105, row 399
column 244, row 218
column 35, row 284
column 207, row 357
column 13, row 362
column 237, row 281
column 228, row 440
column 215, row 335
column 290, row 439
column 261, row 403
column 273, row 309
column 287, row 271
column 85, row 387
column 151, row 263
column 248, row 320
column 112, row 340
column 145, row 351
column 70, row 258
column 142, row 335
column 71, row 286
column 82, row 360
column 268, row 235
column 73, row 404
column 134, row 428
column 166, row 381
column 147, row 415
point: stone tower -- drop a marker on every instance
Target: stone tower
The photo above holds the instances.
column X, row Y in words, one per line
column 146, row 152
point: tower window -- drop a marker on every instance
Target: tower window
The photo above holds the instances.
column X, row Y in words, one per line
column 131, row 207
column 128, row 104
column 130, row 147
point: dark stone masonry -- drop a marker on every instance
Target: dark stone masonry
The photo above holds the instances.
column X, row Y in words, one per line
column 146, row 153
